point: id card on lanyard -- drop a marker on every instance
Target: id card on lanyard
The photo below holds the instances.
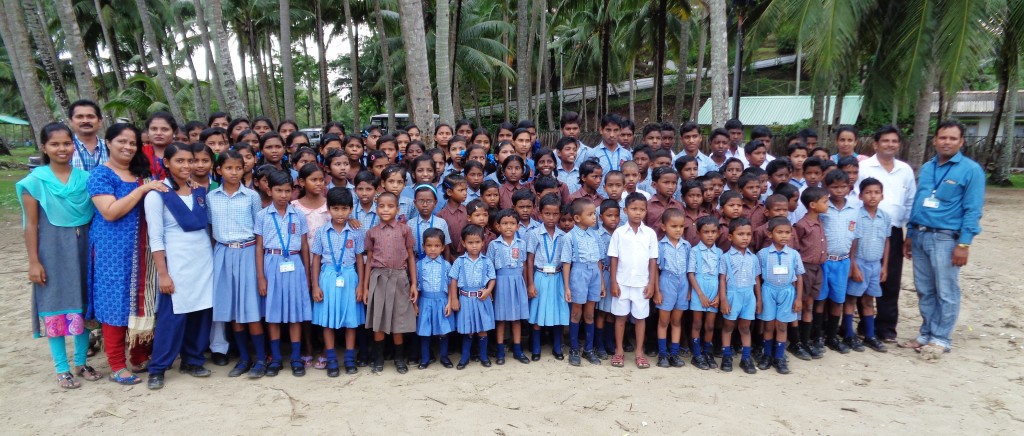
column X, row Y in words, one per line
column 932, row 202
column 550, row 266
column 339, row 281
column 286, row 265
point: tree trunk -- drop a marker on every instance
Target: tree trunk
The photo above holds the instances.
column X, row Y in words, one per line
column 583, row 106
column 275, row 113
column 522, row 59
column 606, row 47
column 699, row 76
column 36, row 25
column 201, row 106
column 245, row 80
column 453, row 46
column 226, row 73
column 659, row 60
column 74, row 44
column 108, row 38
column 919, row 141
column 837, row 111
column 321, row 49
column 547, row 86
column 632, row 90
column 817, row 107
column 141, row 46
column 262, row 81
column 681, row 67
column 353, row 62
column 476, row 104
column 19, row 52
column 288, row 75
column 719, row 64
column 542, row 59
column 310, row 113
column 161, row 72
column 385, row 52
column 417, row 68
column 211, row 64
column 1004, row 160
column 441, row 65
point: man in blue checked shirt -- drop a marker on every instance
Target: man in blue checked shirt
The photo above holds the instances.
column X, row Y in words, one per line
column 943, row 223
column 90, row 150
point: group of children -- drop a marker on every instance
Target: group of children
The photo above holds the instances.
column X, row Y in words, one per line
column 380, row 236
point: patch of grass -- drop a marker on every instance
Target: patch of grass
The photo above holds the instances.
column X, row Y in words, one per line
column 1018, row 180
column 8, row 197
column 20, row 155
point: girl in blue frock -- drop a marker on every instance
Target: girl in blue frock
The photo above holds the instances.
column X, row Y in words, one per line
column 511, row 304
column 472, row 278
column 545, row 287
column 436, row 317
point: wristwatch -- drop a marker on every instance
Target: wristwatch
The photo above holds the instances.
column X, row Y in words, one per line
column 964, row 245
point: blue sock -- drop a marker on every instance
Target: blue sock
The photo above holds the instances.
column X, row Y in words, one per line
column 424, row 350
column 726, row 351
column 501, row 351
column 695, row 347
column 574, row 336
column 535, row 341
column 746, row 352
column 609, row 339
column 330, row 354
column 259, row 344
column 443, row 347
column 708, row 346
column 848, row 326
column 350, row 357
column 589, row 328
column 780, row 350
column 662, row 347
column 483, row 349
column 467, row 342
column 296, row 351
column 556, row 334
column 767, row 345
column 242, row 343
column 59, row 351
column 517, row 350
column 869, row 327
column 82, row 347
column 673, row 349
column 275, row 350
column 598, row 337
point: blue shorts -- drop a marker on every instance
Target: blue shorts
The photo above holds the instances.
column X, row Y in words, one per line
column 709, row 286
column 834, row 274
column 742, row 304
column 777, row 303
column 584, row 282
column 674, row 291
column 872, row 273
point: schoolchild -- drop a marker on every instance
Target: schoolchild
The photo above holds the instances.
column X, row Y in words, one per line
column 739, row 293
column 633, row 250
column 809, row 240
column 702, row 272
column 674, row 288
column 604, row 321
column 436, row 314
column 781, row 293
column 454, row 212
column 472, row 279
column 840, row 225
column 870, row 252
column 511, row 302
column 581, row 275
column 544, row 283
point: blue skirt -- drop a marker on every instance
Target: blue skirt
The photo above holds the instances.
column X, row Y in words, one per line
column 549, row 307
column 339, row 309
column 235, row 294
column 605, row 303
column 287, row 292
column 510, row 300
column 432, row 321
column 475, row 315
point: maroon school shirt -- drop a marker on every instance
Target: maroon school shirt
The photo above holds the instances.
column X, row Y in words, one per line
column 385, row 243
column 809, row 240
column 656, row 207
column 455, row 215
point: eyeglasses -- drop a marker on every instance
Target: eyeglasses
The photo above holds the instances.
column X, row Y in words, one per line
column 425, row 202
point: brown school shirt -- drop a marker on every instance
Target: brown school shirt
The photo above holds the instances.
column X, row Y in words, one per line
column 690, row 221
column 723, row 243
column 656, row 207
column 754, row 214
column 809, row 240
column 382, row 241
column 505, row 192
column 455, row 215
column 581, row 193
column 762, row 238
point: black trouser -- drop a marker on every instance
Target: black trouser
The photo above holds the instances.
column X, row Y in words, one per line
column 888, row 303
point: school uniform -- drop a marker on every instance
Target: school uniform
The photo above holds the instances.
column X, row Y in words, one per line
column 367, row 218
column 871, row 234
column 406, row 209
column 339, row 279
column 840, row 226
column 525, row 229
column 418, row 225
column 703, row 263
column 809, row 240
column 570, row 179
column 595, row 198
column 656, row 207
column 740, row 270
column 549, row 307
column 634, row 249
column 511, row 302
column 456, row 219
column 505, row 192
column 432, row 283
column 605, row 237
column 388, row 308
column 691, row 235
column 672, row 280
column 582, row 251
column 609, row 159
column 755, row 214
column 779, row 270
column 471, row 194
column 471, row 276
column 287, row 298
column 723, row 243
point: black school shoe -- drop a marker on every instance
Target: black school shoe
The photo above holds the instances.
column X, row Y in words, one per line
column 800, row 351
column 274, row 368
column 219, row 359
column 298, row 368
column 748, row 366
column 700, row 362
column 194, row 370
column 676, row 361
column 240, row 368
column 521, row 358
column 401, row 366
column 600, row 352
column 854, row 343
column 574, row 357
column 764, row 362
column 837, row 345
column 258, row 370
column 332, row 368
column 156, row 381
column 351, row 369
column 781, row 366
column 592, row 357
column 815, row 351
column 726, row 363
column 875, row 344
column 710, row 358
column 663, row 361
column 446, row 362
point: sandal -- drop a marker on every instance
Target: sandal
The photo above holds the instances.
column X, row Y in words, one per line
column 642, row 363
column 67, row 381
column 911, row 343
column 89, row 373
column 142, row 367
column 307, row 361
column 131, row 379
column 321, row 363
column 618, row 361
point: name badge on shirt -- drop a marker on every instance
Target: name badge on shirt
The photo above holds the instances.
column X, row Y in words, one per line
column 853, row 226
column 339, row 282
column 350, row 244
column 287, row 266
column 548, row 269
column 515, row 254
column 780, row 269
column 931, row 202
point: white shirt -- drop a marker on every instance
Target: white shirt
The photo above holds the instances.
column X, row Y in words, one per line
column 633, row 269
column 898, row 187
column 741, row 155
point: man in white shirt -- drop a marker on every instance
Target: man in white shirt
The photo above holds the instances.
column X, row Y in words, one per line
column 735, row 129
column 898, row 188
column 633, row 250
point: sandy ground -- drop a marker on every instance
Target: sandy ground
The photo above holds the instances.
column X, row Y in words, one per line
column 977, row 388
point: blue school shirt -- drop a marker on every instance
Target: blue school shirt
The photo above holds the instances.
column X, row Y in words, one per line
column 470, row 196
column 366, row 219
column 493, row 176
column 606, row 239
column 472, row 275
column 704, row 260
column 432, row 275
column 505, row 255
column 582, row 246
column 406, row 209
column 346, row 244
column 418, row 225
column 770, row 257
column 546, row 249
column 351, row 189
column 839, row 226
column 959, row 187
column 571, row 179
column 233, row 217
column 609, row 160
column 673, row 259
column 525, row 229
column 292, row 226
column 740, row 269
column 871, row 235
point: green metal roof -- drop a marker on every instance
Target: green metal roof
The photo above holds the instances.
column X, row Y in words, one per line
column 783, row 110
column 7, row 119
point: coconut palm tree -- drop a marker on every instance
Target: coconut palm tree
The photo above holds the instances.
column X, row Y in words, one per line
column 36, row 25
column 441, row 62
column 353, row 57
column 1009, row 30
column 719, row 63
column 417, row 69
column 385, row 65
column 154, row 46
column 16, row 41
column 287, row 74
column 73, row 43
column 220, row 43
column 108, row 39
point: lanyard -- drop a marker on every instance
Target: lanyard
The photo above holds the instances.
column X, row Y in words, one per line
column 609, row 157
column 935, row 172
column 419, row 235
column 285, row 248
column 547, row 250
column 330, row 244
column 373, row 219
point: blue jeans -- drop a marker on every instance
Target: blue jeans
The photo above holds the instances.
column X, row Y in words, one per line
column 938, row 286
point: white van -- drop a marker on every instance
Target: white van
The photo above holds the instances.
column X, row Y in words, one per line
column 401, row 121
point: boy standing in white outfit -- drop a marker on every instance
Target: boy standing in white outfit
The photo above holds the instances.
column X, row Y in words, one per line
column 634, row 276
